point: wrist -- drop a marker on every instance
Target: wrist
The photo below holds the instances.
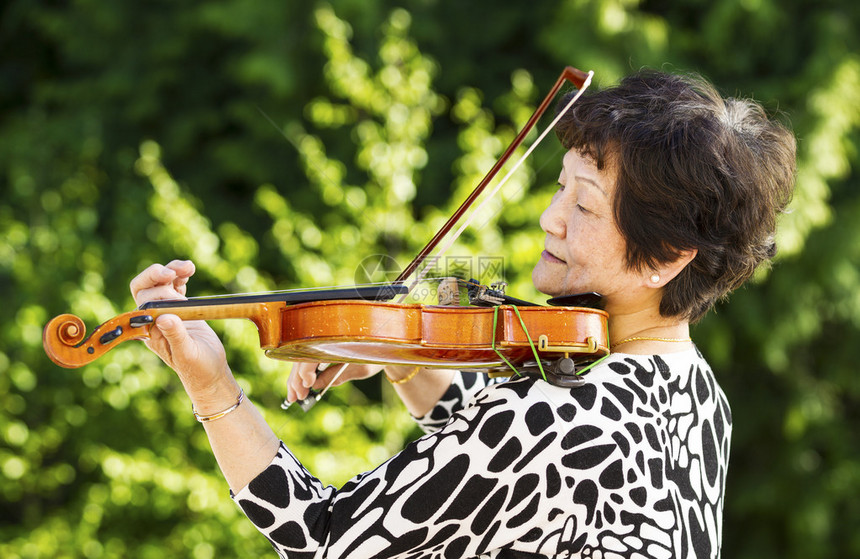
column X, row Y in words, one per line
column 215, row 396
column 204, row 418
column 401, row 375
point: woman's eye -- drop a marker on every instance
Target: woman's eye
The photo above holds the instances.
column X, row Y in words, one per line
column 582, row 209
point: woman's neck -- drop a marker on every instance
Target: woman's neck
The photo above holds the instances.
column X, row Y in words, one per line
column 645, row 331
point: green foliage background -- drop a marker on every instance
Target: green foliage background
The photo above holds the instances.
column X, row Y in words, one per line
column 278, row 144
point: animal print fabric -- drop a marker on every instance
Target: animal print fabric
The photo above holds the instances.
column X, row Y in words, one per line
column 632, row 464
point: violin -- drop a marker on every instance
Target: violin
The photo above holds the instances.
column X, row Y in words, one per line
column 362, row 324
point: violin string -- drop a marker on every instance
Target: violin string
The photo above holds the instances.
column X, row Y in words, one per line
column 288, row 291
column 302, row 290
column 449, row 242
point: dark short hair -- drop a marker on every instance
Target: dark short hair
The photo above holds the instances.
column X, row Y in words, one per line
column 695, row 171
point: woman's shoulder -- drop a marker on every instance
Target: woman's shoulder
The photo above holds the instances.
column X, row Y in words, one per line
column 655, row 372
column 619, row 385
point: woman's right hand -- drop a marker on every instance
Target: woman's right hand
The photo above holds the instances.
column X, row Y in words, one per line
column 305, row 376
column 317, row 376
column 191, row 348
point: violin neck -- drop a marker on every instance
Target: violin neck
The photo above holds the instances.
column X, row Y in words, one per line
column 367, row 293
column 67, row 344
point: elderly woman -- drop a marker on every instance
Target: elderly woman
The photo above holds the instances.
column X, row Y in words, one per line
column 667, row 200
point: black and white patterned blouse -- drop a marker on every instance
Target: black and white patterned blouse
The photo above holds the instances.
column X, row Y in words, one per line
column 632, row 464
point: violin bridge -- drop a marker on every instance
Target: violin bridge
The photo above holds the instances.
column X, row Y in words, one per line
column 448, row 292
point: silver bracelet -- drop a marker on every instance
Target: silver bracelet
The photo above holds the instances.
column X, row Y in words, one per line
column 220, row 414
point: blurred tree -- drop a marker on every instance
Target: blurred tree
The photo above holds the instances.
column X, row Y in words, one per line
column 277, row 145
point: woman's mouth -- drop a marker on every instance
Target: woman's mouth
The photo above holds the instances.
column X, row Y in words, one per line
column 546, row 255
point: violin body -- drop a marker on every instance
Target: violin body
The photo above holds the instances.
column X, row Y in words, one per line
column 363, row 331
column 435, row 336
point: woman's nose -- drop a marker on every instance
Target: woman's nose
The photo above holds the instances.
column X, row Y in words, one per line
column 552, row 220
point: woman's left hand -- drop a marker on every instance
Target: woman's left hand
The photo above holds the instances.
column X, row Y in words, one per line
column 191, row 348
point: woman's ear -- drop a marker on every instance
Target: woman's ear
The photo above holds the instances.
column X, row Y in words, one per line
column 664, row 273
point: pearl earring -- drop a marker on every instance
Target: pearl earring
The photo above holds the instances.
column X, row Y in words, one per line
column 655, row 278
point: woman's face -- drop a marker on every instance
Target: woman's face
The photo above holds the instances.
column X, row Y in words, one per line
column 584, row 250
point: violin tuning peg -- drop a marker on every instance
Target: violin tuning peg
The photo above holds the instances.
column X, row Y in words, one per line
column 499, row 287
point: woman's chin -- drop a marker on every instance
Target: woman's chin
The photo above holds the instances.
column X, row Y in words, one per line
column 544, row 283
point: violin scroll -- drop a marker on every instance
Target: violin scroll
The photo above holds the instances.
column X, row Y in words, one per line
column 66, row 345
column 70, row 329
column 66, row 342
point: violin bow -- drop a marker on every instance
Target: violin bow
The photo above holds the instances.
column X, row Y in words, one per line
column 570, row 74
column 578, row 78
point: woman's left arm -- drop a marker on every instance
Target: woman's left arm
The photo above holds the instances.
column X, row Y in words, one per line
column 241, row 440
